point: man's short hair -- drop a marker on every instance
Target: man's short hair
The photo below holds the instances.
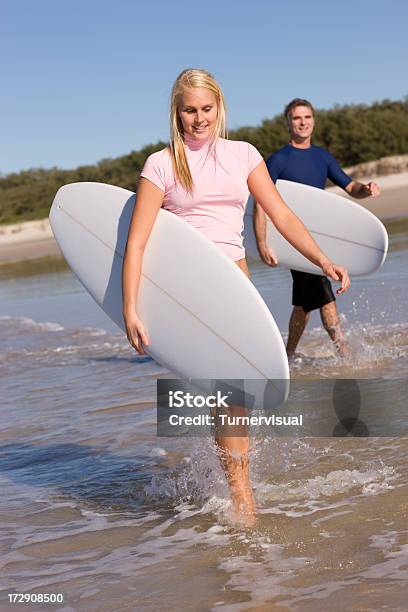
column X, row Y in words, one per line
column 297, row 102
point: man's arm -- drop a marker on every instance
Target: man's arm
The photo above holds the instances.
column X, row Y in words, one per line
column 290, row 226
column 341, row 179
column 259, row 220
column 361, row 190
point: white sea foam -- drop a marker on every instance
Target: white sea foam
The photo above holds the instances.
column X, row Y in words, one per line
column 298, row 498
column 33, row 325
column 89, row 331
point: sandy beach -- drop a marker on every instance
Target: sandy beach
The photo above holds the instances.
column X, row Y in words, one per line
column 393, row 199
column 34, row 239
column 29, row 240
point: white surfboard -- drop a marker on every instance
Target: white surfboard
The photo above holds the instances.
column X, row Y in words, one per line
column 348, row 234
column 204, row 318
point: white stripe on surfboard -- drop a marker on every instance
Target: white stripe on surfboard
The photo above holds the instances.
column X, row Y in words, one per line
column 368, row 246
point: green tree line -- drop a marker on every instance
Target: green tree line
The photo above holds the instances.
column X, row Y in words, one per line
column 353, row 133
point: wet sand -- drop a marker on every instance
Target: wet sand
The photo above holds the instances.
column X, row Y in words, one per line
column 30, row 249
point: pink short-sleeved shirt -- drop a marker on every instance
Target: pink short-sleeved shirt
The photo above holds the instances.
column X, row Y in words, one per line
column 217, row 205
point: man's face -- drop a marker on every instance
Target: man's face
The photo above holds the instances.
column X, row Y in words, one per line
column 301, row 123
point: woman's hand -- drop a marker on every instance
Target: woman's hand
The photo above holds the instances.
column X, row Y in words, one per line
column 337, row 273
column 136, row 332
column 149, row 198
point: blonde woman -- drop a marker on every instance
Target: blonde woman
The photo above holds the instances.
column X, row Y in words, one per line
column 206, row 179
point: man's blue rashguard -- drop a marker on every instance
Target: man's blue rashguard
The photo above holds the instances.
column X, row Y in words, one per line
column 311, row 166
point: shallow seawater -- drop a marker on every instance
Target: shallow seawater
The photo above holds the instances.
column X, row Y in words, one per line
column 95, row 506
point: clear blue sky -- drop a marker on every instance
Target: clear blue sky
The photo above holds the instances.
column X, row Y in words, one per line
column 87, row 79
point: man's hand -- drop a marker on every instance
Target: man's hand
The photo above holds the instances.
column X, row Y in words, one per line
column 371, row 189
column 267, row 255
column 361, row 190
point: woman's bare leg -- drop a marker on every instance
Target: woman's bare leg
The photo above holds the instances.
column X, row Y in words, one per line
column 232, row 442
column 233, row 450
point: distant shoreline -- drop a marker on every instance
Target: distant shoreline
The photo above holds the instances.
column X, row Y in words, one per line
column 34, row 239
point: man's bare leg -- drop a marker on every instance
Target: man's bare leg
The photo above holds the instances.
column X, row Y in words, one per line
column 297, row 323
column 331, row 324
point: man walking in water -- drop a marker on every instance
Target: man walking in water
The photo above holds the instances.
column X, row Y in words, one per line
column 302, row 162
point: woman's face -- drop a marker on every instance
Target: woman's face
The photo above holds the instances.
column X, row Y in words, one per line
column 198, row 112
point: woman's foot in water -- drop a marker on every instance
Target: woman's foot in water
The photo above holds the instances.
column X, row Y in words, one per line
column 243, row 504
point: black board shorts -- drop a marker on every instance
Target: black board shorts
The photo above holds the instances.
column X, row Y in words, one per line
column 311, row 291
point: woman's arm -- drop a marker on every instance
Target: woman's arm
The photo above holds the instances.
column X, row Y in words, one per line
column 290, row 226
column 149, row 199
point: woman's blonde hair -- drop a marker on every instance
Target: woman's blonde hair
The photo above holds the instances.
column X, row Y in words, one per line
column 192, row 77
